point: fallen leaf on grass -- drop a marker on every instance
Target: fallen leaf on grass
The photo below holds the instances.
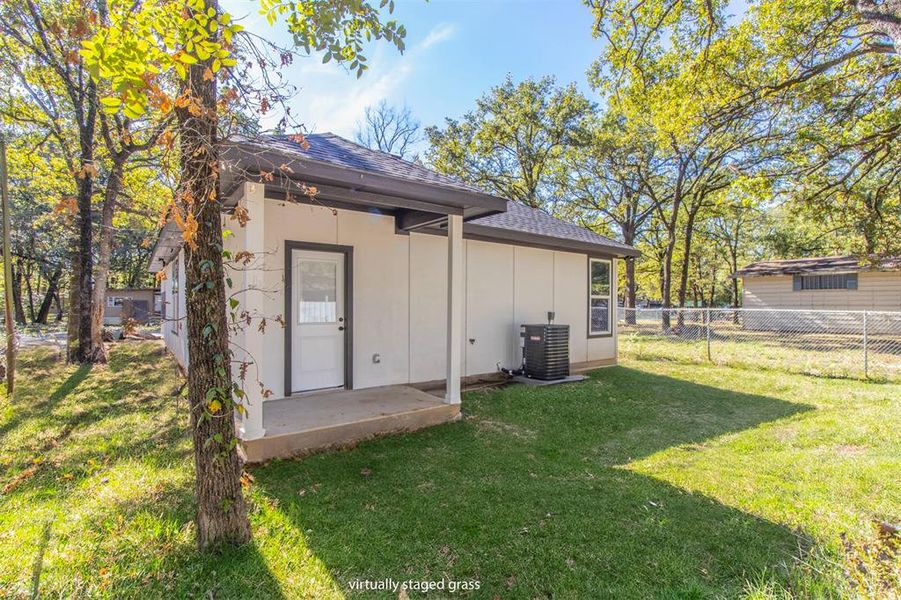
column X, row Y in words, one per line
column 19, row 479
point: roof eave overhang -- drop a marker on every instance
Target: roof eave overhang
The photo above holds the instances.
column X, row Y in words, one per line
column 247, row 159
column 168, row 244
column 289, row 172
column 790, row 272
column 487, row 233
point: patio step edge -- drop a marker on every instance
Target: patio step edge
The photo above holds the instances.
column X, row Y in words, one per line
column 333, row 437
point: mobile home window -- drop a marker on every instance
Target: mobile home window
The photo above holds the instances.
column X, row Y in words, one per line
column 598, row 296
column 832, row 281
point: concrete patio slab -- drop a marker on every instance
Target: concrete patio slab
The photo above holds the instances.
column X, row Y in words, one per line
column 330, row 419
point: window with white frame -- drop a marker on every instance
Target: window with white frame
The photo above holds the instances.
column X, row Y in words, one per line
column 599, row 296
column 114, row 301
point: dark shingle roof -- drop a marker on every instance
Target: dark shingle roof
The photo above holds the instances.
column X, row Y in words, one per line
column 335, row 150
column 526, row 219
column 519, row 224
column 819, row 264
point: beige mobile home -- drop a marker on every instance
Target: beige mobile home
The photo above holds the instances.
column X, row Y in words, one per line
column 139, row 304
column 391, row 277
column 822, row 295
column 826, row 283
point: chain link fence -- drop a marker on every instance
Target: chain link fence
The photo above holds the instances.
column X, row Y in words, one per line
column 832, row 343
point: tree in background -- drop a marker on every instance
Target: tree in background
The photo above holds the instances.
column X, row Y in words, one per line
column 605, row 184
column 37, row 181
column 735, row 228
column 825, row 73
column 389, row 129
column 124, row 139
column 171, row 56
column 39, row 44
column 514, row 141
column 802, row 94
column 671, row 91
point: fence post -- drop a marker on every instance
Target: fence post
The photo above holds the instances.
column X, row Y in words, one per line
column 707, row 318
column 866, row 349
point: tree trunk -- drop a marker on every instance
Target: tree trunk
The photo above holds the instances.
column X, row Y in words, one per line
column 629, row 238
column 30, row 293
column 685, row 267
column 113, row 188
column 85, row 256
column 670, row 248
column 17, row 294
column 221, row 511
column 686, row 258
column 49, row 295
column 59, row 305
column 72, row 324
column 667, row 279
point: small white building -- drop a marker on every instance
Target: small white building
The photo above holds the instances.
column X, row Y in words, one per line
column 392, row 276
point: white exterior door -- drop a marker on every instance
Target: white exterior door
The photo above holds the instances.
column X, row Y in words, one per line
column 317, row 314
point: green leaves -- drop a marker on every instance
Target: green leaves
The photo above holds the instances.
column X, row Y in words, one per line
column 336, row 28
column 111, row 103
column 147, row 39
column 514, row 140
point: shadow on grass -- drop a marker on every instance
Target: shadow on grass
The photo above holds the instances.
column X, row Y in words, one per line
column 53, row 404
column 26, row 405
column 181, row 571
column 113, row 448
column 530, row 496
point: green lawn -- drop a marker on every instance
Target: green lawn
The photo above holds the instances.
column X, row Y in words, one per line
column 820, row 355
column 654, row 479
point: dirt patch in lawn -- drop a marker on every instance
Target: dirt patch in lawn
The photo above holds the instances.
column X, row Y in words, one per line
column 495, row 426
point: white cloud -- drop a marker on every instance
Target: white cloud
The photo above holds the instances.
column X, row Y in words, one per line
column 441, row 33
column 338, row 108
column 332, row 99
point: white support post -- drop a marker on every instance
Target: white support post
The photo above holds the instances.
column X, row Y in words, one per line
column 454, row 307
column 252, row 301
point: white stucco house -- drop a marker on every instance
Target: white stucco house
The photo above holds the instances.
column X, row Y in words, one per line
column 393, row 275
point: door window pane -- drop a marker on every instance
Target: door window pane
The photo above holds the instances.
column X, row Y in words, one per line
column 318, row 287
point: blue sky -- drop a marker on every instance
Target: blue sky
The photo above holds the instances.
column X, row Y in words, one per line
column 456, row 50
